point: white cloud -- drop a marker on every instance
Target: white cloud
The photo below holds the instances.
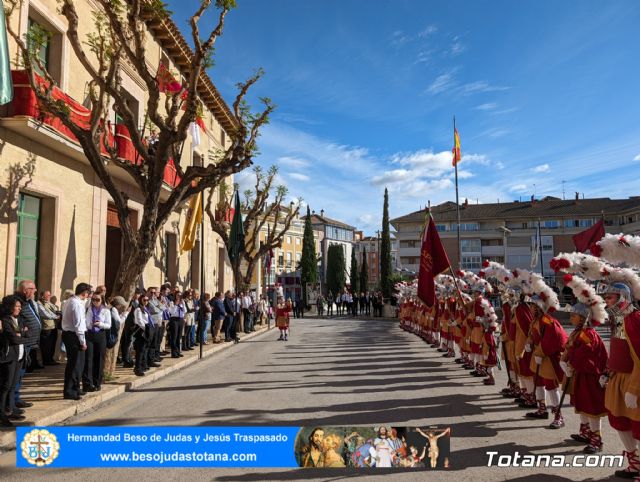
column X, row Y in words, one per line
column 637, row 158
column 457, row 48
column 487, row 106
column 495, row 132
column 429, row 30
column 462, row 174
column 293, row 162
column 299, row 177
column 430, row 164
column 392, row 177
column 476, row 159
column 541, row 168
column 442, row 83
column 480, row 86
column 518, row 188
column 398, row 38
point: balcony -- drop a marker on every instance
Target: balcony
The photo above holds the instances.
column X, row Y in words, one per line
column 24, row 116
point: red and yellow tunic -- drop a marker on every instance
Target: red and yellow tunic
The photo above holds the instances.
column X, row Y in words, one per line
column 624, row 367
column 508, row 336
column 283, row 312
column 524, row 318
column 549, row 339
column 586, row 354
column 457, row 330
column 477, row 330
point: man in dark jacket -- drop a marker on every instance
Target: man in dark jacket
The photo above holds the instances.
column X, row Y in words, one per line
column 218, row 316
column 28, row 318
column 232, row 309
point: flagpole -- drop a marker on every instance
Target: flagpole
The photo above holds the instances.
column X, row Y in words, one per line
column 457, row 200
column 540, row 249
column 201, row 324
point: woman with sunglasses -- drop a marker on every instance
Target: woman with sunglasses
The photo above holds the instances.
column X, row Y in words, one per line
column 98, row 320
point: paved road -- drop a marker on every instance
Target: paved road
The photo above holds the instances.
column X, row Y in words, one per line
column 333, row 372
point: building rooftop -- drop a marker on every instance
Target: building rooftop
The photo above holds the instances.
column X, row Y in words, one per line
column 548, row 208
column 317, row 219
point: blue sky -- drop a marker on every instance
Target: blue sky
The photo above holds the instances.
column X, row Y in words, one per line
column 366, row 90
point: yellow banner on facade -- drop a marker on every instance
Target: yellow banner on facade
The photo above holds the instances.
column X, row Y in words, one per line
column 194, row 217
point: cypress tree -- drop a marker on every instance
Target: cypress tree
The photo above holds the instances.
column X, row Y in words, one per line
column 386, row 283
column 364, row 272
column 353, row 279
column 308, row 260
column 335, row 268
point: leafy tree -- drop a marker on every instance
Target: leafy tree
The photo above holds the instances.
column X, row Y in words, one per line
column 354, row 273
column 262, row 207
column 364, row 272
column 119, row 39
column 336, row 269
column 386, row 283
column 308, row 260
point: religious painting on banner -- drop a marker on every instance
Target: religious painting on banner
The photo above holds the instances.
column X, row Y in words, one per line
column 433, row 261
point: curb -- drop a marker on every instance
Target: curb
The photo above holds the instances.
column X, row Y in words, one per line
column 112, row 390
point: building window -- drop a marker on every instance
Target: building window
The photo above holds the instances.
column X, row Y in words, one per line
column 297, row 241
column 27, row 239
column 441, row 227
column 492, row 242
column 585, row 223
column 471, row 262
column 550, row 224
column 43, row 36
column 469, row 226
column 470, row 245
column 288, row 239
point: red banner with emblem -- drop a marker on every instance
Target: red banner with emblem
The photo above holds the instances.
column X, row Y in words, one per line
column 433, row 261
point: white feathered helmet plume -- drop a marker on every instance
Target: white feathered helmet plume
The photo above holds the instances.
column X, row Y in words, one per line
column 475, row 282
column 594, row 268
column 492, row 269
column 586, row 294
column 534, row 284
column 618, row 249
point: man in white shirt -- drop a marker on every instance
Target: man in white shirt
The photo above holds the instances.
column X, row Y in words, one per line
column 246, row 310
column 73, row 337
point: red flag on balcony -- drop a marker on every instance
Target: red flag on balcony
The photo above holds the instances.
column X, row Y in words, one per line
column 166, row 81
column 584, row 240
column 433, row 261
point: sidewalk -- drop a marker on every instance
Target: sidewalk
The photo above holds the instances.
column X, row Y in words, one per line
column 43, row 388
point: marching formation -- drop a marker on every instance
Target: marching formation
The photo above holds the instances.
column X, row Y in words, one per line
column 543, row 362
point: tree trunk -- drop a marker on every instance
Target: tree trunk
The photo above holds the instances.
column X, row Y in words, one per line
column 131, row 268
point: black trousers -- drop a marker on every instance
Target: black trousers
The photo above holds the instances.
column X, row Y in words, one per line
column 160, row 328
column 175, row 327
column 230, row 328
column 152, row 336
column 140, row 345
column 94, row 359
column 75, row 364
column 48, row 344
column 125, row 344
column 7, row 384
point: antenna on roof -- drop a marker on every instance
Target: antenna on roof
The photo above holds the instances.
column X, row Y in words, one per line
column 563, row 183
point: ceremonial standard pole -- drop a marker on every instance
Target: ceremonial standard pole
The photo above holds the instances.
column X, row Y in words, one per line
column 201, row 323
column 457, row 200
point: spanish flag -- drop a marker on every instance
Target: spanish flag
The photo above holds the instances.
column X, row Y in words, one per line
column 457, row 155
column 194, row 217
